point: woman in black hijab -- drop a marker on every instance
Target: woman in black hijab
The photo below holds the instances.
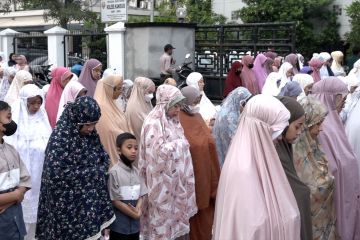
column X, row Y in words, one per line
column 284, row 149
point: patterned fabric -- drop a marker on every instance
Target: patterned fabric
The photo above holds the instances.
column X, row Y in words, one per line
column 312, row 168
column 165, row 164
column 74, row 201
column 227, row 121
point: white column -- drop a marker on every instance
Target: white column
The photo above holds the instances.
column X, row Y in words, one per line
column 116, row 46
column 56, row 43
column 7, row 41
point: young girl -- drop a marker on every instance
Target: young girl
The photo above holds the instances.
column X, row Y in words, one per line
column 126, row 190
column 30, row 141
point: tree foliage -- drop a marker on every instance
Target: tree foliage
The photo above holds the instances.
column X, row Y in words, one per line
column 61, row 11
column 198, row 11
column 353, row 11
column 316, row 28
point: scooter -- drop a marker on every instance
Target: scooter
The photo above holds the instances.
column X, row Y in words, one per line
column 41, row 75
column 184, row 72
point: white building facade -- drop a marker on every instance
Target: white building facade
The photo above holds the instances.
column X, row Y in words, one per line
column 228, row 8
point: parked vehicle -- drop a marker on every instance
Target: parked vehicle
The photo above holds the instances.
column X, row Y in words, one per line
column 184, row 71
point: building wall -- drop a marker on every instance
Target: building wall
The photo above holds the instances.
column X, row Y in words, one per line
column 144, row 46
column 226, row 7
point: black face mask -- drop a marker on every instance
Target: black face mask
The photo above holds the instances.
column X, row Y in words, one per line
column 238, row 73
column 10, row 128
column 250, row 65
column 126, row 161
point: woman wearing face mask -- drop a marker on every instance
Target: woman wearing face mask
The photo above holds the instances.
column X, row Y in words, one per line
column 250, row 204
column 311, row 165
column 30, row 141
column 139, row 105
column 248, row 76
column 227, row 120
column 343, row 165
column 306, row 82
column 21, row 78
column 60, row 77
column 90, row 75
column 72, row 91
column 165, row 164
column 205, row 163
column 113, row 121
column 207, row 108
column 74, row 199
column 285, row 152
column 233, row 79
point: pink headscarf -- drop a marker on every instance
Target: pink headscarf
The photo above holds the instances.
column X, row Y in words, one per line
column 342, row 161
column 316, row 64
column 248, row 76
column 69, row 94
column 254, row 198
column 86, row 77
column 54, row 94
column 260, row 70
column 166, row 166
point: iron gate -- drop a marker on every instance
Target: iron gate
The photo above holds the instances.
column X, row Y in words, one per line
column 79, row 46
column 33, row 46
column 216, row 47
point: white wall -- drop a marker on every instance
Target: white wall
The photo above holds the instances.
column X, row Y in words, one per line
column 343, row 19
column 226, row 7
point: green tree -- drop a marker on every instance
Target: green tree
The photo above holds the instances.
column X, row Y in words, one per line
column 198, row 11
column 316, row 28
column 353, row 11
column 61, row 11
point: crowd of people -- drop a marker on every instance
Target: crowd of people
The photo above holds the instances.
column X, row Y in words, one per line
column 91, row 156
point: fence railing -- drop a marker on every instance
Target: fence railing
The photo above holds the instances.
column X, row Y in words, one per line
column 33, row 46
column 80, row 46
column 216, row 47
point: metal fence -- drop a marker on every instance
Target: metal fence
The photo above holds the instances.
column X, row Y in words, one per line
column 33, row 46
column 79, row 46
column 216, row 47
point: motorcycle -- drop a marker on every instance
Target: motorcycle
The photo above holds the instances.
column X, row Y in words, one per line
column 41, row 75
column 184, row 72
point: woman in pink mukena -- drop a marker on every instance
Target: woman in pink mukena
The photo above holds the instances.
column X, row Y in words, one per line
column 250, row 203
column 165, row 164
column 343, row 165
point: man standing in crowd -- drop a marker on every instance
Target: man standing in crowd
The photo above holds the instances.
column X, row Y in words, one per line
column 167, row 62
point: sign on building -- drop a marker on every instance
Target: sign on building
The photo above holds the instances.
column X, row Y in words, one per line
column 113, row 10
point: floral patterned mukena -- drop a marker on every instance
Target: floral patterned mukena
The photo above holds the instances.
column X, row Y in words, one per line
column 228, row 120
column 74, row 201
column 166, row 165
column 311, row 166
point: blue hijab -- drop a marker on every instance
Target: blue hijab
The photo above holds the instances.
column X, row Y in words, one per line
column 227, row 120
column 291, row 89
column 74, row 201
